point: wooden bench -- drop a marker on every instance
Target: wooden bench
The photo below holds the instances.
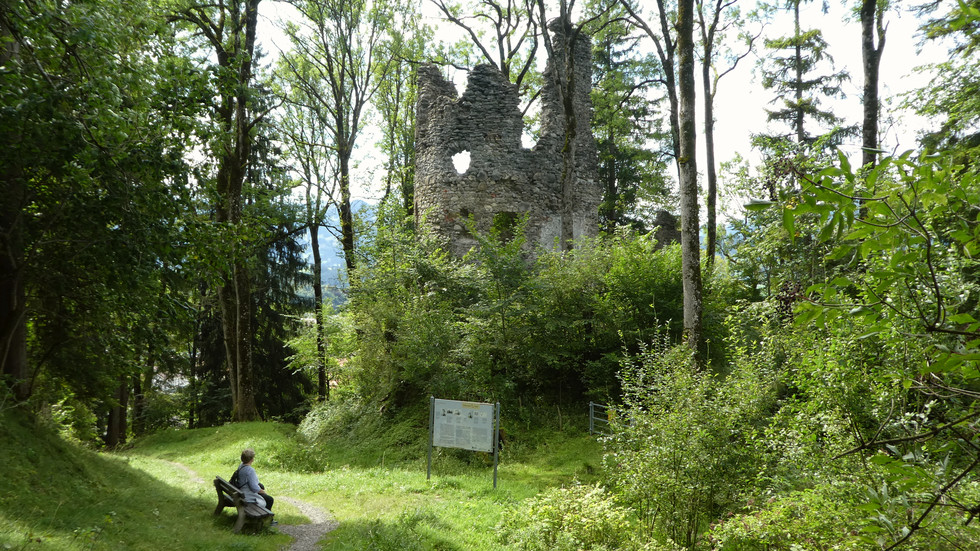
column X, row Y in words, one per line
column 230, row 496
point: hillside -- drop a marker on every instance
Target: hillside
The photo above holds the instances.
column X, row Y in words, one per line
column 60, row 496
column 158, row 493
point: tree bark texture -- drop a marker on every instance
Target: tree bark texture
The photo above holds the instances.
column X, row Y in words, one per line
column 346, row 214
column 13, row 294
column 116, row 426
column 872, row 21
column 566, row 84
column 687, row 168
column 323, row 389
column 709, row 146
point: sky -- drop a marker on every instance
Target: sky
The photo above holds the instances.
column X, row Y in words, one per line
column 741, row 102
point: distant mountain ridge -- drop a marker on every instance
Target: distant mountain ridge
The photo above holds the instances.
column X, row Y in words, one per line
column 331, row 253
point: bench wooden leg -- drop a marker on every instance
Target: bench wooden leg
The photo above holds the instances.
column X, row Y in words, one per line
column 241, row 520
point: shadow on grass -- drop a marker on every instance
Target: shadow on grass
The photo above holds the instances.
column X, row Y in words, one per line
column 60, row 496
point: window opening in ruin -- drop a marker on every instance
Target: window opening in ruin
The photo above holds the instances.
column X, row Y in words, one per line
column 461, row 161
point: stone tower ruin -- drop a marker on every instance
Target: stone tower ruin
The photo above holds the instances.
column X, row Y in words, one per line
column 504, row 181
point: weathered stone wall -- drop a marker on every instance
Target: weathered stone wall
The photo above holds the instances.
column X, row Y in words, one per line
column 504, row 180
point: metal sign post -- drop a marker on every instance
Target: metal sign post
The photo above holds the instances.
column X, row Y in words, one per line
column 471, row 426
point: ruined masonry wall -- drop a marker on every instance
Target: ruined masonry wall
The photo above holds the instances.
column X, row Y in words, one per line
column 503, row 177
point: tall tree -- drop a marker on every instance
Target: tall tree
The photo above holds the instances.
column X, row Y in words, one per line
column 670, row 43
column 229, row 30
column 793, row 72
column 89, row 183
column 687, row 168
column 633, row 148
column 951, row 102
column 278, row 272
column 872, row 27
column 306, row 137
column 715, row 18
column 339, row 59
column 665, row 42
column 395, row 103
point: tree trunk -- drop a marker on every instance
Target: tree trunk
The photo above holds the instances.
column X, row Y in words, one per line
column 193, row 413
column 235, row 292
column 13, row 297
column 323, row 388
column 13, row 293
column 687, row 168
column 139, row 406
column 665, row 51
column 116, row 427
column 872, row 19
column 569, row 180
column 666, row 55
column 709, row 146
column 346, row 216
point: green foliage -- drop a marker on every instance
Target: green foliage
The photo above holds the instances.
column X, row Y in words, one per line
column 685, row 447
column 502, row 326
column 797, row 70
column 630, row 170
column 371, row 476
column 356, row 432
column 909, row 231
column 567, row 519
column 820, row 518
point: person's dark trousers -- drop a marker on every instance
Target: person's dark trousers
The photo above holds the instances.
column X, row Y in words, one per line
column 269, row 500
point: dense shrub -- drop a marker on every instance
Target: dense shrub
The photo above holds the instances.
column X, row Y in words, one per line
column 686, row 446
column 500, row 325
column 572, row 518
column 825, row 517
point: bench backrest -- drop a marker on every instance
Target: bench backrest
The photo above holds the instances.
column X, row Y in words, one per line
column 225, row 487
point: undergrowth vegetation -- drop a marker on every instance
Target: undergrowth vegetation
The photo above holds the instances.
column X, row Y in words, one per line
column 810, row 428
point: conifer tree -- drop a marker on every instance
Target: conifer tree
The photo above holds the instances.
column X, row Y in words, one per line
column 795, row 73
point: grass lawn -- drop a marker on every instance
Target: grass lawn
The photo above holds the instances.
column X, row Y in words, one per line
column 158, row 493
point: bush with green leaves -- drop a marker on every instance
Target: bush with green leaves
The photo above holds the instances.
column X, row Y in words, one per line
column 501, row 324
column 686, row 445
column 821, row 518
column 569, row 519
column 910, row 229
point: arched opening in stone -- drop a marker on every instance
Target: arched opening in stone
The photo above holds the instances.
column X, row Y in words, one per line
column 461, row 161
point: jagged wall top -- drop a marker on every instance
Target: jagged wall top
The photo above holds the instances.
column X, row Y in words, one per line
column 504, row 180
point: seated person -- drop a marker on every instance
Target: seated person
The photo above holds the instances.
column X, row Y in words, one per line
column 247, row 480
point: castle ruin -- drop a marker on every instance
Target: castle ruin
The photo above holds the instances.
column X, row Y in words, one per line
column 505, row 181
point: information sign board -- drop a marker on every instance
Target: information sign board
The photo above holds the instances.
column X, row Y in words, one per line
column 464, row 425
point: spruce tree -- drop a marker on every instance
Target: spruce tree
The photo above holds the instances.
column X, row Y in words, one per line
column 795, row 73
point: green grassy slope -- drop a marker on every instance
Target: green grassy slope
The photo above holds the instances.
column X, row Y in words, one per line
column 158, row 493
column 60, row 496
